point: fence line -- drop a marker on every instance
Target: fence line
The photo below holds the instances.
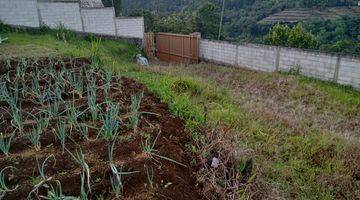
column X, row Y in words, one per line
column 70, row 14
column 325, row 66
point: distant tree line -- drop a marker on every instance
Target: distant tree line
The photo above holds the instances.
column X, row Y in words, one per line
column 241, row 22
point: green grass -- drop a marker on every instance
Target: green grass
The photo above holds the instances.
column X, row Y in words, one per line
column 315, row 165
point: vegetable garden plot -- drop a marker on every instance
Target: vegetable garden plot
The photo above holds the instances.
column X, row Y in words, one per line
column 71, row 130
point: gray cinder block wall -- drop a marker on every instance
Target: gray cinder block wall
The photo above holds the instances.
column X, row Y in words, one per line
column 102, row 21
column 67, row 14
column 329, row 67
column 130, row 27
column 99, row 20
column 349, row 71
column 19, row 12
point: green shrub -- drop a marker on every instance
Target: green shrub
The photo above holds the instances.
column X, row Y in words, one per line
column 300, row 38
column 297, row 37
column 278, row 35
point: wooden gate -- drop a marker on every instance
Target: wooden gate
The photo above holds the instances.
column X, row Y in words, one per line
column 150, row 45
column 177, row 48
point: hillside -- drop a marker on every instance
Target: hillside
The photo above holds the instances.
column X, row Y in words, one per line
column 298, row 15
column 334, row 26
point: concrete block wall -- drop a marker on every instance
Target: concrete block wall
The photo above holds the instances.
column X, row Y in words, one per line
column 220, row 52
column 99, row 20
column 328, row 67
column 130, row 27
column 349, row 71
column 257, row 58
column 19, row 12
column 310, row 64
column 67, row 14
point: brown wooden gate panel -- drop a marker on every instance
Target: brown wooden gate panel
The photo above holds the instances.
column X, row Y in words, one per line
column 178, row 48
column 150, row 45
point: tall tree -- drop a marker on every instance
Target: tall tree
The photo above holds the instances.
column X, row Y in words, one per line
column 117, row 4
column 207, row 20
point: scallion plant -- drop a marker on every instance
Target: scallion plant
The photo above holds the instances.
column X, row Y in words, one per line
column 116, row 174
column 61, row 134
column 79, row 84
column 17, row 119
column 84, row 131
column 91, row 100
column 41, row 169
column 107, row 85
column 72, row 116
column 5, row 144
column 57, row 194
column 3, row 187
column 149, row 149
column 111, row 121
column 79, row 157
column 115, row 177
column 83, row 192
column 149, row 175
column 34, row 137
column 135, row 106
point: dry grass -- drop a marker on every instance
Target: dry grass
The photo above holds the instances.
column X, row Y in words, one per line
column 278, row 99
column 301, row 133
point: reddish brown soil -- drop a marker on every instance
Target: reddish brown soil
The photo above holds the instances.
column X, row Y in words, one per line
column 170, row 180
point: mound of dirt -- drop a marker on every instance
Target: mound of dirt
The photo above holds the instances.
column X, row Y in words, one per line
column 165, row 173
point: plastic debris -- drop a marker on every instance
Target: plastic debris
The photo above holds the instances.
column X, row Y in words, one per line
column 215, row 162
column 141, row 60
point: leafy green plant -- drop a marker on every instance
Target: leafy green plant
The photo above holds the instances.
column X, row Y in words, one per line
column 83, row 192
column 84, row 131
column 116, row 174
column 91, row 100
column 149, row 175
column 41, row 169
column 111, row 121
column 149, row 149
column 75, row 81
column 278, row 35
column 3, row 187
column 43, row 179
column 135, row 113
column 135, row 106
column 58, row 91
column 107, row 85
column 115, row 177
column 79, row 83
column 79, row 157
column 61, row 134
column 34, row 137
column 57, row 194
column 17, row 119
column 63, row 34
column 95, row 52
column 55, row 109
column 5, row 144
column 298, row 37
column 72, row 115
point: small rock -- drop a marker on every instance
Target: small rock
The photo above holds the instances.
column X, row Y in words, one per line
column 215, row 162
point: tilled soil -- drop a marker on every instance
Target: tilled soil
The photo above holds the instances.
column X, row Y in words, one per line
column 152, row 177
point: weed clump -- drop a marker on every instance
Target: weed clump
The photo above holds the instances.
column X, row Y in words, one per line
column 186, row 85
